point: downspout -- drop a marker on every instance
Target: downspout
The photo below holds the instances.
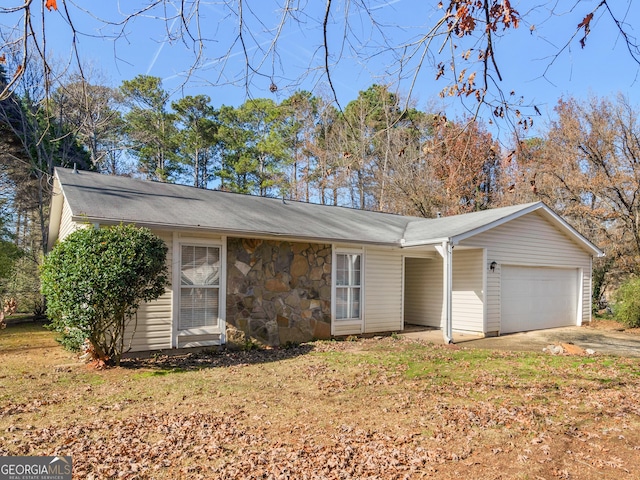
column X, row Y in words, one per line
column 447, row 283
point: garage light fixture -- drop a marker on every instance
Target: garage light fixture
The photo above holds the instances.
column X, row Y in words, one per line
column 493, row 266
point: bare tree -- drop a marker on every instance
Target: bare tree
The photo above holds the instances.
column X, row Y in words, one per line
column 452, row 167
column 456, row 42
column 587, row 168
column 90, row 111
column 39, row 143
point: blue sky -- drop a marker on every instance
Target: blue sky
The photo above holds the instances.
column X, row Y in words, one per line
column 525, row 57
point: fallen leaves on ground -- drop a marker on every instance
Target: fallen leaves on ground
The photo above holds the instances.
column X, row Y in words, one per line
column 342, row 410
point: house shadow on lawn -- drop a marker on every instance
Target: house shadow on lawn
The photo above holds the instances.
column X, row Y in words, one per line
column 213, row 358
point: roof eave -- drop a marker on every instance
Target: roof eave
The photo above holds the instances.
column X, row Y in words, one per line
column 231, row 232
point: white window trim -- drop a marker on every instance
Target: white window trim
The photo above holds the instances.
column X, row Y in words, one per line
column 220, row 329
column 334, row 267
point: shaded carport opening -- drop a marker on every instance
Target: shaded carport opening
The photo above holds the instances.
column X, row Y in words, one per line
column 424, row 287
column 422, row 293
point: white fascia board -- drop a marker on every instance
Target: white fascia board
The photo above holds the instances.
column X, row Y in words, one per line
column 55, row 213
column 420, row 243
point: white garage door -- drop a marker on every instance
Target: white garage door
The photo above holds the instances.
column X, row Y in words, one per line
column 536, row 298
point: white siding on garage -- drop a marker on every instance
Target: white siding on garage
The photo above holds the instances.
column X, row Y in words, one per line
column 529, row 240
column 383, row 290
column 153, row 329
column 467, row 312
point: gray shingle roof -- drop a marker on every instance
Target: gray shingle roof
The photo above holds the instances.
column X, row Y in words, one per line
column 456, row 225
column 93, row 197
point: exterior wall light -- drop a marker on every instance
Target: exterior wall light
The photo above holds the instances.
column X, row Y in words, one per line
column 493, row 266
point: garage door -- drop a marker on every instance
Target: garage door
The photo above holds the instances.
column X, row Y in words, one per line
column 536, row 298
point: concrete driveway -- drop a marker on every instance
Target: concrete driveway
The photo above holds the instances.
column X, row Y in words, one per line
column 606, row 342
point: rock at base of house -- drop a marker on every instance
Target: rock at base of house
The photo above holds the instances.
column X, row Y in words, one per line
column 236, row 338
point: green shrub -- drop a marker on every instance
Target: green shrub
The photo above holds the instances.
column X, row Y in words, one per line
column 627, row 306
column 71, row 338
column 95, row 280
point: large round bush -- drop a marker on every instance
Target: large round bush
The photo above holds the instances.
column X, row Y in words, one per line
column 95, row 280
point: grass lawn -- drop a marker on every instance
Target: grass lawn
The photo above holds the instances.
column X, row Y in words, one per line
column 377, row 408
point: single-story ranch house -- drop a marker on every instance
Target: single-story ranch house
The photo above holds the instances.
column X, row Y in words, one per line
column 280, row 271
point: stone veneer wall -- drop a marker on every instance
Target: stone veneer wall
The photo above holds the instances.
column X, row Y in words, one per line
column 277, row 292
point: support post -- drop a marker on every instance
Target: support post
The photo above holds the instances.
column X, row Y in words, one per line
column 447, row 284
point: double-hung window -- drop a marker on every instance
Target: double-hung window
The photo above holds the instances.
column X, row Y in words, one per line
column 199, row 287
column 348, row 285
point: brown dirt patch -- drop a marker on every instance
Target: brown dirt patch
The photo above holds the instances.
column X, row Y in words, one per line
column 611, row 325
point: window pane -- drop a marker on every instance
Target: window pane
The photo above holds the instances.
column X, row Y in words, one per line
column 355, row 302
column 347, row 269
column 348, row 281
column 342, row 305
column 342, row 270
column 347, row 303
column 354, row 277
column 198, row 307
column 356, row 262
column 200, row 275
column 200, row 265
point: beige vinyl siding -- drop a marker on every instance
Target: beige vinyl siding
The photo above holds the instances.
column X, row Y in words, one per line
column 467, row 295
column 67, row 225
column 346, row 329
column 423, row 291
column 188, row 341
column 383, row 290
column 529, row 241
column 153, row 329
